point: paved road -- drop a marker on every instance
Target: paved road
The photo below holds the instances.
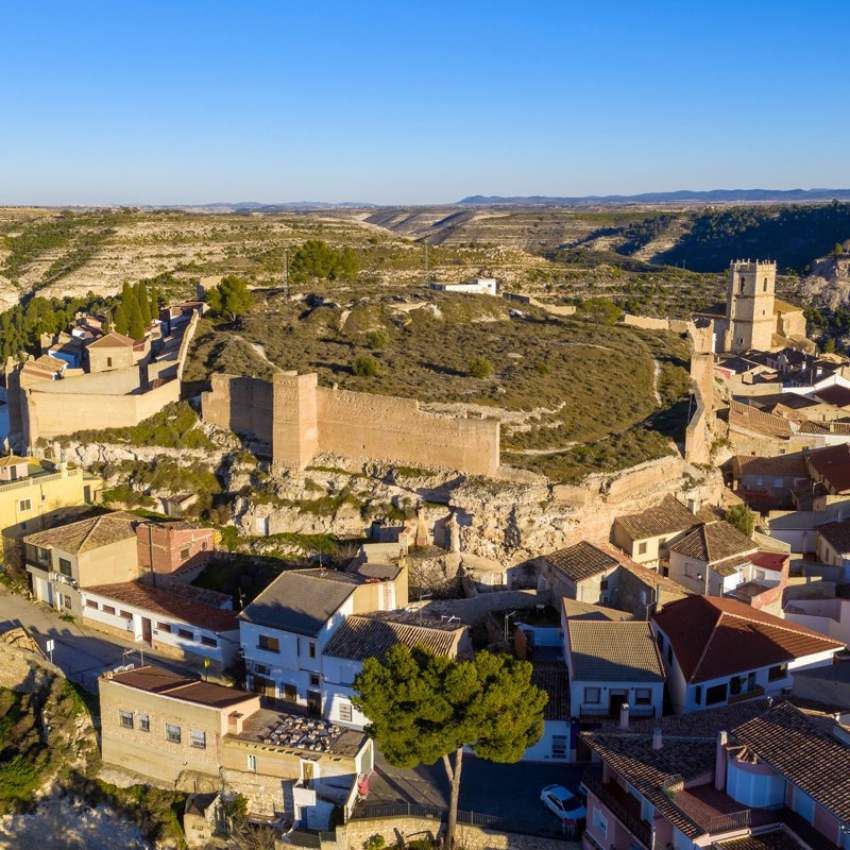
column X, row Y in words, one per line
column 80, row 652
column 510, row 791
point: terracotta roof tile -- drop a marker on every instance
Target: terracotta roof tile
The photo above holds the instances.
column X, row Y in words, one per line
column 713, row 541
column 181, row 602
column 668, row 517
column 613, row 651
column 832, row 464
column 837, row 534
column 361, row 637
column 797, row 748
column 583, row 611
column 714, row 637
column 581, row 561
column 552, row 677
column 87, row 534
column 113, row 340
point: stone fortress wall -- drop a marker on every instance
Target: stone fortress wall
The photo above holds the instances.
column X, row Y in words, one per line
column 301, row 420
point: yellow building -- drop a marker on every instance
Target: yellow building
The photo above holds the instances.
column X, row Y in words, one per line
column 39, row 494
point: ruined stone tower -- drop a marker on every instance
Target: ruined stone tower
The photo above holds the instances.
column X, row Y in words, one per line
column 750, row 320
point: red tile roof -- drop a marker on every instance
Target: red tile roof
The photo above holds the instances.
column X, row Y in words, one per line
column 714, row 637
column 712, row 542
column 836, row 394
column 180, row 602
column 832, row 464
column 113, row 340
column 769, row 560
column 837, row 534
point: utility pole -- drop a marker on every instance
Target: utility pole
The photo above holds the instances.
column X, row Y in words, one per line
column 426, row 262
column 286, row 272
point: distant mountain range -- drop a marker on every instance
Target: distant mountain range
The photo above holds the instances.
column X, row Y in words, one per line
column 709, row 196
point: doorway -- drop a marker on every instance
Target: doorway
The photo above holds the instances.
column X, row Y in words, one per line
column 147, row 636
column 615, row 701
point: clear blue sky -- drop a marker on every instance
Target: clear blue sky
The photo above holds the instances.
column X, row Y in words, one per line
column 414, row 102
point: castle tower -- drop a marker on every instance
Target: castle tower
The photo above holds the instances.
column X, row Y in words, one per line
column 751, row 323
column 295, row 431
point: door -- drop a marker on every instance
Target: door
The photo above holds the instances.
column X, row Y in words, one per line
column 264, row 686
column 48, row 597
column 13, row 472
column 616, row 699
column 314, row 702
column 146, row 631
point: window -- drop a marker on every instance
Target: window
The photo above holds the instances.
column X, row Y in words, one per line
column 25, row 505
column 65, row 567
column 261, row 670
column 186, row 634
column 108, row 609
column 208, row 641
column 164, row 627
column 269, row 644
column 90, row 603
column 42, row 555
column 198, row 739
column 592, row 696
column 345, row 712
column 66, row 602
column 698, row 694
column 108, row 362
column 559, row 746
column 252, row 763
column 144, row 723
column 643, row 696
column 172, row 733
column 126, row 718
column 715, row 694
column 314, row 680
column 312, row 649
column 764, row 287
column 779, row 671
column 642, row 548
column 290, row 692
column 600, row 822
column 126, row 615
column 184, row 553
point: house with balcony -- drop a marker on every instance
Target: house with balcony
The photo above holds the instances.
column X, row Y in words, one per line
column 93, row 551
column 719, row 650
column 612, row 663
column 642, row 535
column 198, row 735
column 285, row 630
column 364, row 636
column 713, row 558
column 745, row 777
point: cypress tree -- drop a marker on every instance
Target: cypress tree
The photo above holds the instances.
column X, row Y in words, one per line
column 121, row 319
column 136, row 325
column 144, row 303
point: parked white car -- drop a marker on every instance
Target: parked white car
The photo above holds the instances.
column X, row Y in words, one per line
column 564, row 804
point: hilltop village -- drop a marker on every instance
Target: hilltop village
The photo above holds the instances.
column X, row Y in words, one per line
column 218, row 565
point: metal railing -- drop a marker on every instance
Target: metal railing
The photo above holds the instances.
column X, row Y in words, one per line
column 611, row 797
column 731, row 822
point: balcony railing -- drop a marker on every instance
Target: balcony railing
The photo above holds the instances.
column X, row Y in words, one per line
column 618, row 802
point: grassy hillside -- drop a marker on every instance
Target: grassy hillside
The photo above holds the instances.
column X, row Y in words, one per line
column 554, row 383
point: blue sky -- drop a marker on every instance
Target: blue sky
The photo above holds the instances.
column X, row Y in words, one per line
column 412, row 102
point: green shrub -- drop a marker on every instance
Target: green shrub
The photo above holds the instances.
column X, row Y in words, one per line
column 365, row 366
column 480, row 367
column 377, row 339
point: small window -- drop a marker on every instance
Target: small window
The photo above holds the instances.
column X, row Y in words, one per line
column 764, row 288
column 186, row 634
column 208, row 641
column 144, row 723
column 642, row 548
column 600, row 822
column 261, row 670
column 715, row 694
column 698, row 694
column 252, row 763
column 25, row 505
column 198, row 739
column 172, row 733
column 184, row 553
column 90, row 603
column 312, row 649
column 643, row 696
column 164, row 627
column 267, row 643
column 126, row 615
column 592, row 696
column 559, row 746
column 779, row 671
column 108, row 609
column 108, row 362
column 345, row 712
column 314, row 680
column 126, row 718
column 65, row 567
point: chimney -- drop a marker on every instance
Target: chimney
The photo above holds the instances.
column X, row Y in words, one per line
column 720, row 761
column 624, row 716
column 657, row 741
